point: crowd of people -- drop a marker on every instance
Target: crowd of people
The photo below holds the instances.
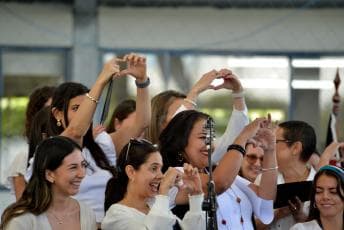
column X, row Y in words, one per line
column 150, row 167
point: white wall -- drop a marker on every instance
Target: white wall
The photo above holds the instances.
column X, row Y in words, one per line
column 230, row 29
column 179, row 28
column 27, row 63
column 36, row 25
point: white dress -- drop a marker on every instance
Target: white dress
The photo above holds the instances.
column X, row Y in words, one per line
column 237, row 204
column 310, row 225
column 121, row 217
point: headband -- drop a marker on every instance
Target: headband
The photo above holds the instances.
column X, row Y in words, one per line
column 338, row 171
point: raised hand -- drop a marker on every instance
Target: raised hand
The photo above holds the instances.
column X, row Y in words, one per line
column 202, row 84
column 329, row 153
column 110, row 69
column 191, row 180
column 231, row 81
column 136, row 67
column 252, row 128
column 171, row 178
column 265, row 136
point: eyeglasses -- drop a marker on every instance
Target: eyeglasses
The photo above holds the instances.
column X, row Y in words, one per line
column 252, row 158
column 285, row 141
column 134, row 141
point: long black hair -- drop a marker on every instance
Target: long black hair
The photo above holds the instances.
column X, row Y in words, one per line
column 174, row 138
column 135, row 153
column 62, row 96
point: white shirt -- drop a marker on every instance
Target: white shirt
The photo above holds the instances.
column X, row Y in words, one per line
column 29, row 221
column 310, row 225
column 16, row 168
column 121, row 217
column 288, row 221
column 230, row 211
column 92, row 187
column 237, row 122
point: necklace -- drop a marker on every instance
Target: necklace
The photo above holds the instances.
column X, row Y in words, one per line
column 70, row 208
column 59, row 220
column 298, row 178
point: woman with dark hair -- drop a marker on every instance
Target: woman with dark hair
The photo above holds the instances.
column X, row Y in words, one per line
column 67, row 108
column 183, row 141
column 39, row 98
column 327, row 201
column 167, row 104
column 295, row 143
column 46, row 203
column 137, row 196
column 122, row 116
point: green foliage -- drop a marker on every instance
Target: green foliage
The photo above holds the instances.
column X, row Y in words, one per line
column 13, row 115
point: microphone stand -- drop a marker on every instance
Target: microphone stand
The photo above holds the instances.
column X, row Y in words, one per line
column 209, row 204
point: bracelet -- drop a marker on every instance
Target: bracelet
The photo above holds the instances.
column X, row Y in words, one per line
column 269, row 169
column 238, row 95
column 191, row 102
column 239, row 148
column 92, row 98
column 142, row 85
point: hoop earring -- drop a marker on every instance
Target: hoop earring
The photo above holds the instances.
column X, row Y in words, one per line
column 58, row 123
column 315, row 205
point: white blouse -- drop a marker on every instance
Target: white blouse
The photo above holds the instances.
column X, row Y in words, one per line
column 16, row 168
column 310, row 225
column 92, row 187
column 288, row 221
column 121, row 217
column 237, row 204
column 29, row 221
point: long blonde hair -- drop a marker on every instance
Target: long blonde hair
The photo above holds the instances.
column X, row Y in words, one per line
column 160, row 104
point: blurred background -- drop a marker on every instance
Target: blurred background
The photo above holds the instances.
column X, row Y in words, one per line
column 285, row 52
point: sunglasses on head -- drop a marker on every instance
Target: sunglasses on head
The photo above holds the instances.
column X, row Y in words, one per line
column 134, row 141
